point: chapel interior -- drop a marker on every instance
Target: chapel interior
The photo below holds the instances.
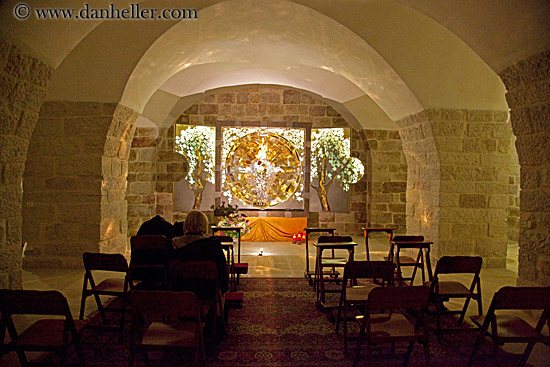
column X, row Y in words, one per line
column 444, row 103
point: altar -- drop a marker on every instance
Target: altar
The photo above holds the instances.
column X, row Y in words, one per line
column 274, row 229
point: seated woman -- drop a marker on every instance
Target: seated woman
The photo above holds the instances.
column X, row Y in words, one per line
column 195, row 245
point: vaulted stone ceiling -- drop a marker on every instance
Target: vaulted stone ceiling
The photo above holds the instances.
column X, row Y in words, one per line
column 377, row 60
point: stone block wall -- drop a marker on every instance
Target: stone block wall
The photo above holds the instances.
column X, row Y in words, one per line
column 113, row 226
column 387, row 180
column 153, row 170
column 75, row 183
column 423, row 176
column 528, row 85
column 23, row 82
column 142, row 171
column 460, row 169
column 512, row 218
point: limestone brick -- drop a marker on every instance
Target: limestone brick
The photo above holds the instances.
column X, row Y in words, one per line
column 291, row 96
column 473, row 201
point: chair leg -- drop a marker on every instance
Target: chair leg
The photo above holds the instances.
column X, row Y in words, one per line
column 464, row 309
column 100, row 308
column 408, row 354
column 526, row 354
column 22, row 357
column 80, row 355
column 62, row 361
column 131, row 357
column 438, row 303
column 479, row 307
column 82, row 306
column 474, row 351
column 345, row 330
column 426, row 353
column 358, row 346
column 339, row 313
column 146, row 358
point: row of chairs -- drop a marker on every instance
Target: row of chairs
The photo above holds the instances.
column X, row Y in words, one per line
column 150, row 263
column 160, row 316
column 382, row 318
column 198, row 277
column 418, row 262
column 162, row 320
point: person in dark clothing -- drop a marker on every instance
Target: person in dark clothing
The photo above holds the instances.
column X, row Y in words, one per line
column 157, row 226
column 195, row 245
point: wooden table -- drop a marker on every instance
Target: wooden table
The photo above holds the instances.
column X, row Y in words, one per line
column 422, row 258
column 319, row 275
column 367, row 230
column 308, row 273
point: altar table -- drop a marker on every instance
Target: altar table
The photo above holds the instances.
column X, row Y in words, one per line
column 274, row 229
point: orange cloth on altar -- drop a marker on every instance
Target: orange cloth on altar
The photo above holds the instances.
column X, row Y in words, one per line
column 274, row 229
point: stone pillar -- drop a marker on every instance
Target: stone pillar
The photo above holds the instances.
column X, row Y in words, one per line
column 142, row 178
column 387, row 179
column 459, row 176
column 75, row 183
column 423, row 176
column 528, row 85
column 113, row 236
column 23, row 81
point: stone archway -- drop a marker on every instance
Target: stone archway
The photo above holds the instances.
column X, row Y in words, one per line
column 75, row 183
column 528, row 84
column 458, row 190
column 22, row 91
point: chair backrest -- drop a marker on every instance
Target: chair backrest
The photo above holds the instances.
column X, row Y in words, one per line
column 391, row 298
column 149, row 242
column 157, row 305
column 458, row 264
column 334, row 239
column 383, row 270
column 407, row 238
column 31, row 302
column 199, row 277
column 223, row 238
column 521, row 298
column 148, row 258
column 107, row 262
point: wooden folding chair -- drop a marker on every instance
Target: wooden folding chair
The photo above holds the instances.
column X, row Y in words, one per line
column 148, row 261
column 391, row 326
column 332, row 261
column 201, row 278
column 405, row 261
column 354, row 294
column 165, row 320
column 45, row 335
column 445, row 290
column 505, row 327
column 113, row 287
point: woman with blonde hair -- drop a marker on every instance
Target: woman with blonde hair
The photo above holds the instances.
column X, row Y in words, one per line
column 196, row 245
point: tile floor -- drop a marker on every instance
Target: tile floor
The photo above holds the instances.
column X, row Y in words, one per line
column 279, row 259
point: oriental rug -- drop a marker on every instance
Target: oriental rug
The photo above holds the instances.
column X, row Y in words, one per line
column 279, row 326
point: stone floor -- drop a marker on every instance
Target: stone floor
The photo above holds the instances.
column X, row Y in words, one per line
column 280, row 259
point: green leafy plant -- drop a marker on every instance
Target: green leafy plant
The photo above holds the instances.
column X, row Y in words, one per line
column 197, row 143
column 330, row 161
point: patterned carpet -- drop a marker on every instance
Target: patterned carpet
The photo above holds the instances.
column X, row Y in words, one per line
column 280, row 326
